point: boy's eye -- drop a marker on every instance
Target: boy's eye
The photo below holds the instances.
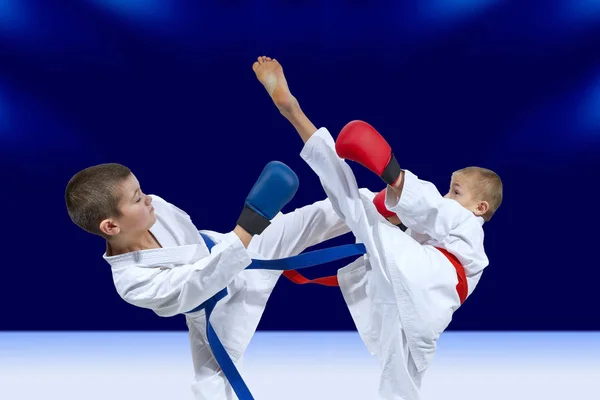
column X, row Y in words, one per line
column 138, row 200
column 456, row 192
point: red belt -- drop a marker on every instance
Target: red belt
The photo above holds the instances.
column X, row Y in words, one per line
column 461, row 287
column 296, row 277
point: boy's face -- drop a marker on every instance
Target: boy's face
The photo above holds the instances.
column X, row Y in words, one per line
column 463, row 189
column 137, row 213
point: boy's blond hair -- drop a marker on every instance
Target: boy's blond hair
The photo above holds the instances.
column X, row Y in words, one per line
column 487, row 185
column 93, row 195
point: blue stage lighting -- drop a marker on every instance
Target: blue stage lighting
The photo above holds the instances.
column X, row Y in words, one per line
column 454, row 9
column 139, row 10
column 4, row 116
column 13, row 15
column 582, row 9
column 590, row 109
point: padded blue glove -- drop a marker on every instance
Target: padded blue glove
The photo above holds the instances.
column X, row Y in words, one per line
column 274, row 188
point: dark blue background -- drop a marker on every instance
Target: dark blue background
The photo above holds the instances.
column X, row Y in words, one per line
column 167, row 89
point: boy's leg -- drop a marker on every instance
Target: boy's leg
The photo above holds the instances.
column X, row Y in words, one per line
column 335, row 175
column 209, row 381
column 400, row 378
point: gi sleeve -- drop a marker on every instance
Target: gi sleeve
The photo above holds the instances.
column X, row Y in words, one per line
column 171, row 291
column 423, row 209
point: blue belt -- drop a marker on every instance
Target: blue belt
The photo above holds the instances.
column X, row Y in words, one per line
column 304, row 260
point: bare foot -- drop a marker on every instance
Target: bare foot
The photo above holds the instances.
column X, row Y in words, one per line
column 270, row 73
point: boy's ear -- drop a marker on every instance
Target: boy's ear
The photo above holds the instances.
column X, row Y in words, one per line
column 482, row 208
column 109, row 227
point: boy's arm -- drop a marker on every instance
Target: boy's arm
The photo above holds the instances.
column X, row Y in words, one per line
column 171, row 291
column 422, row 208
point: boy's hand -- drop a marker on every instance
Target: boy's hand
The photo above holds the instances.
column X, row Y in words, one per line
column 360, row 142
column 379, row 202
column 274, row 188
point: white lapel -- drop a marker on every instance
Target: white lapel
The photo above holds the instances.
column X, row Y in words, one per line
column 170, row 255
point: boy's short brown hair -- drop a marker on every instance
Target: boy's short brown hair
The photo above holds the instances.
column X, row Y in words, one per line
column 487, row 185
column 93, row 195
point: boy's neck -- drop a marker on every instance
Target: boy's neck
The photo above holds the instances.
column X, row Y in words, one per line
column 118, row 246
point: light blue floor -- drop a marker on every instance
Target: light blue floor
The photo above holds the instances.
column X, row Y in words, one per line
column 290, row 366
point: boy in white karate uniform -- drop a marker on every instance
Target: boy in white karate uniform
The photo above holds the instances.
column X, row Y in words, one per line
column 160, row 261
column 403, row 293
